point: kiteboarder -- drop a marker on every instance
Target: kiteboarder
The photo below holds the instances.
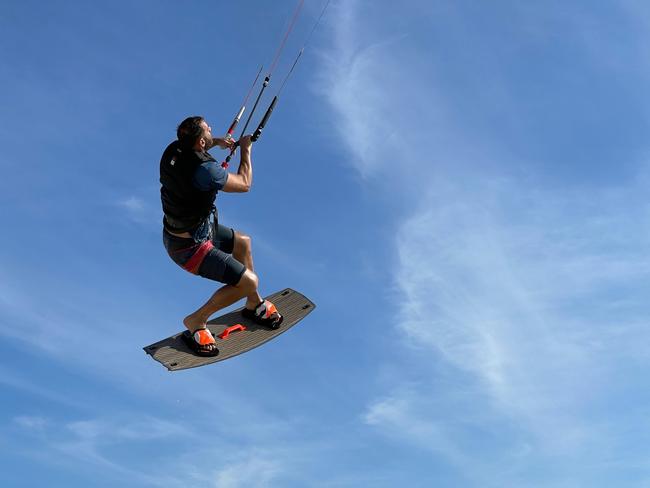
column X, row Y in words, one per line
column 192, row 235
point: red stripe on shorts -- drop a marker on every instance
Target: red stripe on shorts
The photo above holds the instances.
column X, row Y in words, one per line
column 194, row 263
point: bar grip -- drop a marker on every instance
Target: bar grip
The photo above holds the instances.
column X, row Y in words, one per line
column 269, row 111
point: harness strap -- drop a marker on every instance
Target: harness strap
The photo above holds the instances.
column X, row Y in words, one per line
column 215, row 220
column 178, row 226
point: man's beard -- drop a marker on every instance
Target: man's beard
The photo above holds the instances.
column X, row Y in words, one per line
column 208, row 141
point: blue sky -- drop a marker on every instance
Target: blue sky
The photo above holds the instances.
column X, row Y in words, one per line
column 460, row 186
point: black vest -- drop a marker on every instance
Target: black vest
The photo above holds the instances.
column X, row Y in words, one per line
column 184, row 205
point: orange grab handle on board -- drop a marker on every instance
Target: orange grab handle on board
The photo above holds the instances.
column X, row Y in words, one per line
column 224, row 335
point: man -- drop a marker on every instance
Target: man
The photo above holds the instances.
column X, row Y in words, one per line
column 190, row 179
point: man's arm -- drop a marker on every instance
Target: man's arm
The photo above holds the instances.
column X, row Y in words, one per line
column 241, row 181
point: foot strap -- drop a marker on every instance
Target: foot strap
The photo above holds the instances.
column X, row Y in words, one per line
column 266, row 313
column 199, row 342
column 265, row 309
column 203, row 337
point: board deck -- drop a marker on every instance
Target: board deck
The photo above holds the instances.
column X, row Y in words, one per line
column 174, row 354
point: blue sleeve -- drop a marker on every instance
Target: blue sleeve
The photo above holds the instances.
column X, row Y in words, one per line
column 210, row 176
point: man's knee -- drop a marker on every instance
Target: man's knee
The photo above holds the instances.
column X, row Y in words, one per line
column 248, row 282
column 242, row 241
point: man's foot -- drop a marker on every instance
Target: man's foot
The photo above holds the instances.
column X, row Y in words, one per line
column 201, row 342
column 192, row 322
column 264, row 314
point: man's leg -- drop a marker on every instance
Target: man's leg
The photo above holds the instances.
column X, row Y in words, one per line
column 224, row 296
column 242, row 252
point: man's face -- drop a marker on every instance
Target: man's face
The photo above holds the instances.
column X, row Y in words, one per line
column 207, row 134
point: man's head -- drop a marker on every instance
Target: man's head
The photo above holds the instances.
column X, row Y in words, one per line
column 195, row 133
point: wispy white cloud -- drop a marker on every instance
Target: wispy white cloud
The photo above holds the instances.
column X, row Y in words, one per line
column 527, row 325
column 530, row 297
column 203, row 457
column 132, row 204
column 251, row 469
column 142, row 429
column 140, row 211
column 357, row 79
column 398, row 415
column 516, row 298
column 31, row 421
column 90, row 446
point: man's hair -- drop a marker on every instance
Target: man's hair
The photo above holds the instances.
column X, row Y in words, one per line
column 189, row 131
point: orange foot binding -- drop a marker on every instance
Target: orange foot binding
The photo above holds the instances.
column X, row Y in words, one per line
column 201, row 342
column 264, row 314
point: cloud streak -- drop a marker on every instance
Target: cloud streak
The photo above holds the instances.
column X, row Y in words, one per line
column 200, row 455
column 529, row 296
column 517, row 299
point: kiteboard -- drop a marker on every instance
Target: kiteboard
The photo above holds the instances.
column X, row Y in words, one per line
column 234, row 333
